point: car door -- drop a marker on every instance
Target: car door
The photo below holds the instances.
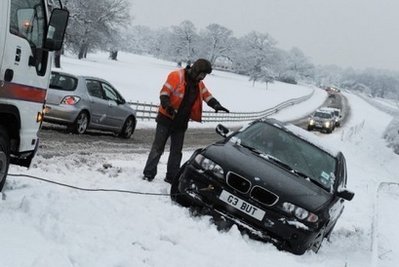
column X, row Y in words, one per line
column 115, row 114
column 98, row 104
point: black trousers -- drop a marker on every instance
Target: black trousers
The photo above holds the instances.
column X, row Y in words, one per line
column 162, row 134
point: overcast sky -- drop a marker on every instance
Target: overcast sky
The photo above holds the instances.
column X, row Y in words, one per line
column 357, row 33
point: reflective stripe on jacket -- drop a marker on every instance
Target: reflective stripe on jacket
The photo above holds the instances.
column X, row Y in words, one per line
column 175, row 87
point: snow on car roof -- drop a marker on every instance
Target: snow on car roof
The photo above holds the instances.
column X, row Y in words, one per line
column 329, row 108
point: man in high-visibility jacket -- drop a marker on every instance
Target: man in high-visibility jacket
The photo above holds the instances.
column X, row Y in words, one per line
column 181, row 100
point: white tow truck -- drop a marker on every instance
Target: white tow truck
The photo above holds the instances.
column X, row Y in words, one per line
column 30, row 30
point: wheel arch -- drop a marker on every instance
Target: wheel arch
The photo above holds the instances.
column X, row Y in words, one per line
column 10, row 119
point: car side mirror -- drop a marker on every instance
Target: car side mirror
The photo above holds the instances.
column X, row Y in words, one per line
column 222, row 130
column 345, row 194
column 56, row 29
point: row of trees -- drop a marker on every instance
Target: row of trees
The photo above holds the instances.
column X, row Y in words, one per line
column 106, row 25
column 254, row 54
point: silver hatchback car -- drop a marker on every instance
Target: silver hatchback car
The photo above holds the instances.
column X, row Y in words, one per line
column 83, row 102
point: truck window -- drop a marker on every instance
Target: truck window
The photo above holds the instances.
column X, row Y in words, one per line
column 28, row 21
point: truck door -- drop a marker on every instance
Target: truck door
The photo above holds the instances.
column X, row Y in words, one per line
column 3, row 19
column 24, row 59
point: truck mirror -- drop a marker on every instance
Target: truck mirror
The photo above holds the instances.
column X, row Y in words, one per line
column 56, row 29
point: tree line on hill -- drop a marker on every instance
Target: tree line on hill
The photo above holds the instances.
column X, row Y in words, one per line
column 107, row 25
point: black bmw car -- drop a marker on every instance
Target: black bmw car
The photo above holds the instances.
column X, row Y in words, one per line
column 273, row 180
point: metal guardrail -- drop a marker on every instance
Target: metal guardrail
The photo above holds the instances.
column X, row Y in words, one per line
column 149, row 111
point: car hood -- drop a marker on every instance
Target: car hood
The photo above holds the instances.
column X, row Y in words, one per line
column 287, row 185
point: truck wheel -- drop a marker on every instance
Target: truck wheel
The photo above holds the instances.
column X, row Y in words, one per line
column 128, row 128
column 4, row 156
column 81, row 123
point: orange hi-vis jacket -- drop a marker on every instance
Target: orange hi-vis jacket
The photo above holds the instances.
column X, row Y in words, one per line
column 175, row 87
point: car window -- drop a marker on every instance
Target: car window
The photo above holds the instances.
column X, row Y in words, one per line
column 110, row 93
column 300, row 155
column 94, row 88
column 62, row 82
column 323, row 115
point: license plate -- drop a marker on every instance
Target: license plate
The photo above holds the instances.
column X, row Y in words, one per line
column 242, row 205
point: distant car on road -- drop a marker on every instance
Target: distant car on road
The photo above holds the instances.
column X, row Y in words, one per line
column 336, row 112
column 271, row 179
column 83, row 102
column 323, row 120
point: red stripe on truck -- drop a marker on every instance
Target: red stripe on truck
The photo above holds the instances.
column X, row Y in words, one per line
column 22, row 92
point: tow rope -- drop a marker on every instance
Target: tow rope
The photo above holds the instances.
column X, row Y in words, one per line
column 87, row 189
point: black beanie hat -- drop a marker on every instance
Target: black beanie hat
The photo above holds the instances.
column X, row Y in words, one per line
column 201, row 65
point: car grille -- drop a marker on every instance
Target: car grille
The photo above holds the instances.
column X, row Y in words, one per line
column 264, row 196
column 238, row 182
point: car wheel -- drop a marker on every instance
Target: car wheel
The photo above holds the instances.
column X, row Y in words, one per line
column 318, row 240
column 4, row 156
column 176, row 195
column 128, row 128
column 81, row 123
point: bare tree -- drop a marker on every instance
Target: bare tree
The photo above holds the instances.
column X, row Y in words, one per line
column 217, row 41
column 184, row 41
column 94, row 22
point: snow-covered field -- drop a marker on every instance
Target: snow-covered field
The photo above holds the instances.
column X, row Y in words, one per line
column 48, row 225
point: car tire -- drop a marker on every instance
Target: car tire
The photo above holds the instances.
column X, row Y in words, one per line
column 318, row 240
column 81, row 123
column 4, row 156
column 128, row 128
column 176, row 195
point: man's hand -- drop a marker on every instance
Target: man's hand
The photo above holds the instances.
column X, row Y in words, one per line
column 219, row 107
column 171, row 111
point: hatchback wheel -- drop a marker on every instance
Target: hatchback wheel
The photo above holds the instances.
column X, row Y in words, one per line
column 81, row 123
column 128, row 128
column 4, row 156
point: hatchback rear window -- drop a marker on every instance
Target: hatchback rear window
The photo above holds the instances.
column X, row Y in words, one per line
column 63, row 82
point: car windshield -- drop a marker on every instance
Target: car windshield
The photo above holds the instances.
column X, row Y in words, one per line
column 323, row 115
column 62, row 82
column 297, row 154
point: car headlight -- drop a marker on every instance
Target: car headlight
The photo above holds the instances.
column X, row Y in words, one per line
column 327, row 124
column 208, row 165
column 311, row 121
column 300, row 213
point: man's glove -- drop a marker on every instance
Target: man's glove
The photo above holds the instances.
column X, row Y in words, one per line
column 165, row 103
column 171, row 111
column 219, row 107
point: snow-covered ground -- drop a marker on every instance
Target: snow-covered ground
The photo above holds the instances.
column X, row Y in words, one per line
column 48, row 225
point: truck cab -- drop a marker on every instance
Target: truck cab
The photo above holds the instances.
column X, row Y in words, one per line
column 27, row 39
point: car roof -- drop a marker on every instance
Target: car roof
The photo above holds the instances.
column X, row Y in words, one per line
column 330, row 109
column 79, row 76
column 324, row 111
column 65, row 73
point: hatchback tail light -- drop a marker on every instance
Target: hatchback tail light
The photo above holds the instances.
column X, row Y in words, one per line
column 70, row 100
